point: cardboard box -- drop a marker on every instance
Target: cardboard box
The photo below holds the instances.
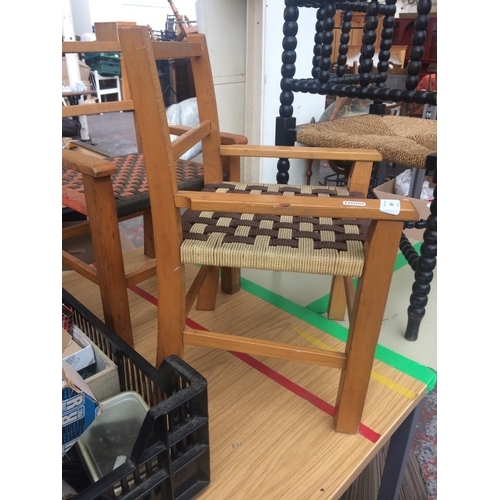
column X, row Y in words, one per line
column 84, row 72
column 69, row 346
column 386, row 191
column 80, row 407
column 78, row 353
column 105, row 383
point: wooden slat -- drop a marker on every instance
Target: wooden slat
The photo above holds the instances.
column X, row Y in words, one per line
column 302, row 152
column 207, row 110
column 359, row 177
column 75, row 230
column 97, row 108
column 90, row 47
column 86, row 270
column 171, row 50
column 135, row 277
column 190, row 138
column 291, row 205
column 225, row 137
column 259, row 347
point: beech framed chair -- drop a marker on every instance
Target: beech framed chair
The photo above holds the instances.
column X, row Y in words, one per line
column 236, row 225
column 107, row 190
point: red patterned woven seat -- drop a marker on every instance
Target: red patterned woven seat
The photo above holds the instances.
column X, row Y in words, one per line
column 130, row 184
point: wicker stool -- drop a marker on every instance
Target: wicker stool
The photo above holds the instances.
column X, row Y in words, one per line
column 405, row 141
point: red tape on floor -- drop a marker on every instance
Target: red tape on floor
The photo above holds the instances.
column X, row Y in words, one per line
column 272, row 374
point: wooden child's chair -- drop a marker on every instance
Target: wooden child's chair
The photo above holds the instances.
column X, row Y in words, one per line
column 107, row 190
column 282, row 228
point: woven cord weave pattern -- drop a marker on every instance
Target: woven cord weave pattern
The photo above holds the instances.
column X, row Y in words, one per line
column 399, row 139
column 130, row 184
column 280, row 243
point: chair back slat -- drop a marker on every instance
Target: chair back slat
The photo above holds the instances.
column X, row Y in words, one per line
column 175, row 50
column 90, row 47
column 97, row 108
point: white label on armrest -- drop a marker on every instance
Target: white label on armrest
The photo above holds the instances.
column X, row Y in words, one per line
column 355, row 203
column 390, row 206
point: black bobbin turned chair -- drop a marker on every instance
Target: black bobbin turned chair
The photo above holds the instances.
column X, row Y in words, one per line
column 406, row 141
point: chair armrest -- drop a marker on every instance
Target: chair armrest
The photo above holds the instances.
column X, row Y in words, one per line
column 227, row 138
column 337, row 208
column 301, row 152
column 87, row 165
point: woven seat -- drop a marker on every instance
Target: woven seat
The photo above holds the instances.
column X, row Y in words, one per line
column 130, row 184
column 278, row 243
column 399, row 139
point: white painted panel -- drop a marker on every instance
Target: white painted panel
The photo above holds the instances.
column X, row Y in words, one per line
column 305, row 106
column 223, row 22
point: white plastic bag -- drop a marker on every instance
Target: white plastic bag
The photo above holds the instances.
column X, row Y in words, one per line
column 185, row 113
column 402, row 186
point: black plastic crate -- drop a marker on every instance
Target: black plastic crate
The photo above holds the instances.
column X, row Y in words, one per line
column 170, row 459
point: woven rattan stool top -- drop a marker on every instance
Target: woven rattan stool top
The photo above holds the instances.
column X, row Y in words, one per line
column 399, row 139
column 278, row 243
column 130, row 184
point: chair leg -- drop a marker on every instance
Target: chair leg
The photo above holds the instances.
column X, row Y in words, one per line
column 230, row 279
column 106, row 243
column 208, row 291
column 424, row 273
column 337, row 303
column 149, row 240
column 171, row 312
column 368, row 312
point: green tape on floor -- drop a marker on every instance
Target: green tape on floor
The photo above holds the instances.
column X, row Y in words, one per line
column 413, row 369
column 320, row 306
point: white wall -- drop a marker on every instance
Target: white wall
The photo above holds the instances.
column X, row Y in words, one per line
column 245, row 45
column 305, row 106
column 223, row 22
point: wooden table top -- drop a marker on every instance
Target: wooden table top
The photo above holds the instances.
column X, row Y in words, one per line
column 270, row 421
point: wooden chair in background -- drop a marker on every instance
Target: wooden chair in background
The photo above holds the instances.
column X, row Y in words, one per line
column 106, row 190
column 282, row 228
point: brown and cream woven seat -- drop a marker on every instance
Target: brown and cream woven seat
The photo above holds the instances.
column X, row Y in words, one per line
column 315, row 245
column 233, row 224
